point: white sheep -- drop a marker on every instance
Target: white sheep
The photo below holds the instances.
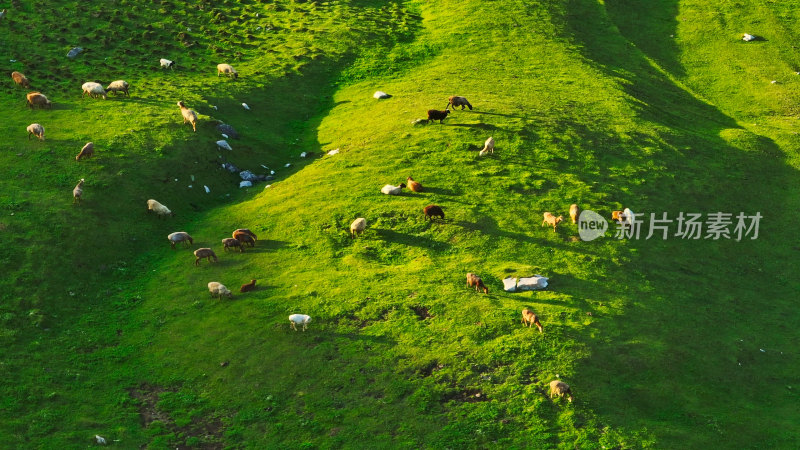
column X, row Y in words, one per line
column 218, row 290
column 227, row 69
column 93, row 90
column 392, row 190
column 36, row 130
column 299, row 319
column 158, row 208
column 166, row 64
column 488, row 147
column 358, row 226
column 559, row 389
column 118, row 86
column 180, row 236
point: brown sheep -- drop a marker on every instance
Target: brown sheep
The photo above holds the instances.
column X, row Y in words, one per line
column 245, row 239
column 251, row 286
column 435, row 114
column 574, row 212
column 77, row 192
column 188, row 115
column 357, row 227
column 530, row 318
column 245, row 231
column 38, row 99
column 474, row 280
column 86, row 152
column 616, row 215
column 118, row 86
column 432, row 211
column 21, row 79
column 550, row 219
column 560, row 389
column 457, row 101
column 37, row 130
column 231, row 242
column 413, row 185
column 201, row 253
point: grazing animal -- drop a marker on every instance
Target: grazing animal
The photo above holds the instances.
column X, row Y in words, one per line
column 244, row 231
column 559, row 389
column 457, row 101
column 231, row 242
column 204, row 252
column 488, row 147
column 550, row 219
column 93, row 89
column 251, row 286
column 86, row 152
column 227, row 69
column 218, row 290
column 530, row 318
column 299, row 319
column 574, row 212
column 36, row 130
column 180, row 236
column 166, row 64
column 435, row 114
column 626, row 216
column 21, row 79
column 158, row 208
column 188, row 115
column 358, row 226
column 432, row 211
column 392, row 190
column 474, row 280
column 615, row 215
column 118, row 86
column 245, row 239
column 38, row 99
column 77, row 192
column 413, row 185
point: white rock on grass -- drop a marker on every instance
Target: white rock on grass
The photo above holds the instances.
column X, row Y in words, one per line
column 380, row 95
column 748, row 37
column 510, row 284
column 244, row 105
column 225, row 135
column 224, row 144
column 287, row 165
column 333, row 152
column 533, row 283
column 303, row 155
column 245, row 184
column 208, row 191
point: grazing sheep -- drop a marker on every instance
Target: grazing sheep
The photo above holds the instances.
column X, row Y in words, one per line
column 457, row 101
column 166, row 64
column 231, row 242
column 158, row 208
column 626, row 216
column 435, row 114
column 488, row 147
column 392, row 190
column 432, row 211
column 574, row 212
column 474, row 280
column 560, row 389
column 244, row 231
column 299, row 319
column 188, row 115
column 118, row 86
column 550, row 219
column 615, row 215
column 21, row 79
column 204, row 252
column 413, row 185
column 36, row 130
column 77, row 193
column 358, row 226
column 245, row 239
column 218, row 290
column 93, row 90
column 251, row 286
column 180, row 236
column 38, row 99
column 227, row 69
column 530, row 318
column 86, row 152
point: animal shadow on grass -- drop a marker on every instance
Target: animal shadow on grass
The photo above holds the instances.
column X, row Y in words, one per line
column 270, row 244
column 439, row 191
column 480, row 126
column 489, row 226
column 496, row 114
column 410, row 239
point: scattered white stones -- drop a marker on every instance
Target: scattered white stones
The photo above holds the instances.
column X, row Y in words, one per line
column 380, row 95
column 192, row 177
column 303, row 155
column 244, row 105
column 773, row 82
column 225, row 135
column 208, row 191
column 333, row 152
column 100, row 439
column 245, row 184
column 510, row 284
column 288, row 165
column 762, row 350
column 267, row 186
column 74, row 51
column 214, row 107
column 534, row 283
column 264, row 166
column 748, row 37
column 224, row 144
column 272, row 172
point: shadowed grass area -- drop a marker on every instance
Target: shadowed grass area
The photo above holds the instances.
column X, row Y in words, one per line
column 665, row 343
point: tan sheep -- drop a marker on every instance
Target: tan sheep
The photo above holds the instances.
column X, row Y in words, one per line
column 201, row 253
column 358, row 226
column 227, row 69
column 231, row 243
column 413, row 185
column 474, row 280
column 574, row 212
column 86, row 152
column 559, row 389
column 550, row 219
column 38, row 99
column 219, row 289
column 77, row 192
column 529, row 318
column 21, row 79
column 188, row 115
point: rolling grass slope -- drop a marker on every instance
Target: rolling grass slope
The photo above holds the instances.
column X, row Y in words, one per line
column 107, row 331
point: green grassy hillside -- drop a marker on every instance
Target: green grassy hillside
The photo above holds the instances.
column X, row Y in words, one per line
column 661, row 108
